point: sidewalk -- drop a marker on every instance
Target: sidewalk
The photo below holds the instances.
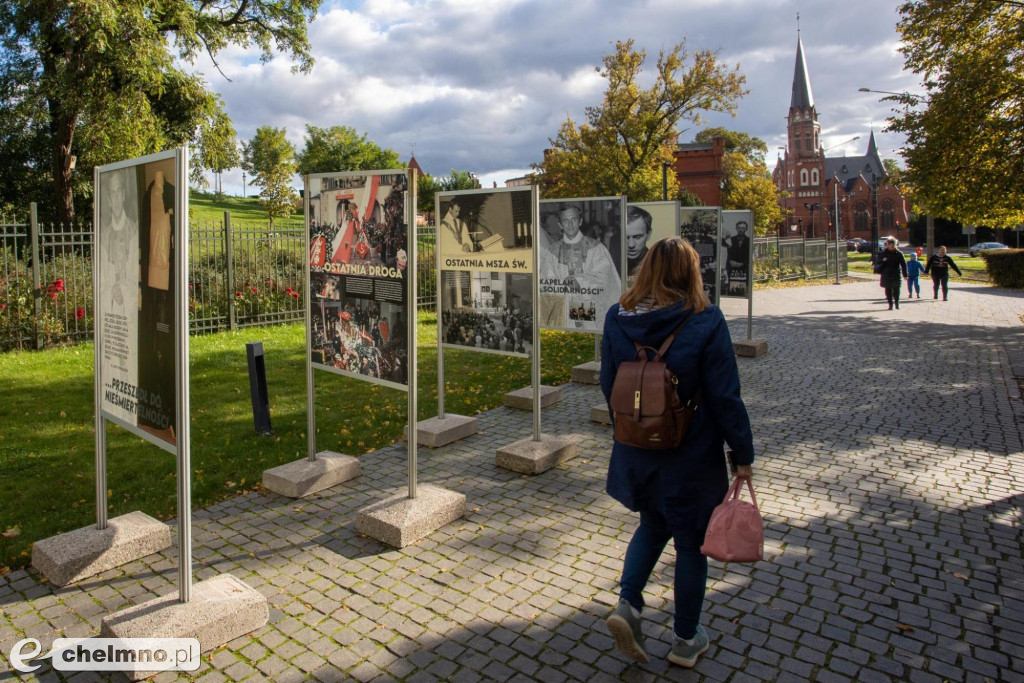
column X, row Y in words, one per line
column 890, row 474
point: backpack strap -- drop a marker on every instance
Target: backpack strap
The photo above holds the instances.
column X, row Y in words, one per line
column 664, row 345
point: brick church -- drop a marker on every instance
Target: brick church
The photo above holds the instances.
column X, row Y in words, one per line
column 816, row 183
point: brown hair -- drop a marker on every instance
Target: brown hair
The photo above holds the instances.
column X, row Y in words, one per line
column 669, row 273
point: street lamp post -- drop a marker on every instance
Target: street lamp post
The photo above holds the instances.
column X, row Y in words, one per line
column 664, row 180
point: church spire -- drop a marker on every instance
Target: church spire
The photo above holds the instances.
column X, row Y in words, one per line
column 802, row 96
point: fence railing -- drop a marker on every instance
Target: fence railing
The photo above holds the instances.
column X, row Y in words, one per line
column 243, row 275
column 794, row 258
column 239, row 275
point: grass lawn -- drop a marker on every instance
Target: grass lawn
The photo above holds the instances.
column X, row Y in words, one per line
column 973, row 267
column 208, row 208
column 46, row 428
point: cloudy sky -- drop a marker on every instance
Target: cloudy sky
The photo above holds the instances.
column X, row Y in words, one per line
column 481, row 85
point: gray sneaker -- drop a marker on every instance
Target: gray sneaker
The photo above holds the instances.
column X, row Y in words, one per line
column 687, row 655
column 625, row 629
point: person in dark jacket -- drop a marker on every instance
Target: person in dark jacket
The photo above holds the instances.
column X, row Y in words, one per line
column 891, row 267
column 675, row 490
column 939, row 264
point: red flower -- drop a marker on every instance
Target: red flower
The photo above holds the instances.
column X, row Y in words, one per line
column 191, row 287
column 238, row 294
column 79, row 313
column 295, row 294
column 3, row 306
column 289, row 290
column 254, row 290
column 54, row 296
column 58, row 285
column 267, row 282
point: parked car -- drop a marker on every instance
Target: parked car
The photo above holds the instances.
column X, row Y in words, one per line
column 854, row 244
column 864, row 247
column 985, row 246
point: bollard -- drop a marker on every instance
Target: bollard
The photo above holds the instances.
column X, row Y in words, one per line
column 258, row 388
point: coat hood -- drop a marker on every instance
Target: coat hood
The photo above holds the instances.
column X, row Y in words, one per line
column 652, row 328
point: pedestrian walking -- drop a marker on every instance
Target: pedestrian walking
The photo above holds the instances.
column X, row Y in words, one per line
column 939, row 264
column 891, row 268
column 914, row 270
column 674, row 490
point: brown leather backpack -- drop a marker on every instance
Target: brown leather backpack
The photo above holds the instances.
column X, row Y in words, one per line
column 645, row 402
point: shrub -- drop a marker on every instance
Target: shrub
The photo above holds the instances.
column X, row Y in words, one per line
column 1005, row 267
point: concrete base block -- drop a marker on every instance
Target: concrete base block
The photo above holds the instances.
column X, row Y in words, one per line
column 599, row 413
column 750, row 347
column 88, row 551
column 533, row 457
column 587, row 373
column 306, row 477
column 399, row 520
column 440, row 431
column 522, row 399
column 220, row 609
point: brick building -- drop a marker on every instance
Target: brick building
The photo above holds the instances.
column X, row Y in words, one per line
column 817, row 184
column 698, row 168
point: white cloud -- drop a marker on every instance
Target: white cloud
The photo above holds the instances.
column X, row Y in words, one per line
column 482, row 86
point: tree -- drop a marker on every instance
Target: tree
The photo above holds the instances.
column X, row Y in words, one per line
column 428, row 187
column 107, row 68
column 748, row 183
column 620, row 148
column 217, row 151
column 270, row 158
column 965, row 137
column 340, row 148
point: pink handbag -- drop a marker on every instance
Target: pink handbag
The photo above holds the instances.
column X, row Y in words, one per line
column 735, row 532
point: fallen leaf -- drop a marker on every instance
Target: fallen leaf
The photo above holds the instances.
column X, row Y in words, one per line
column 960, row 576
column 904, row 627
column 12, row 532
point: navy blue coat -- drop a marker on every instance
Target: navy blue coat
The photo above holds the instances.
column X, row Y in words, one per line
column 684, row 484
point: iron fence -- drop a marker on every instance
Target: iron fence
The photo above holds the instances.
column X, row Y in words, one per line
column 795, row 258
column 244, row 275
column 239, row 276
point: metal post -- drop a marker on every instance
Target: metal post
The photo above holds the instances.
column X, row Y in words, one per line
column 307, row 296
column 664, row 181
column 835, row 189
column 535, row 304
column 229, row 257
column 37, row 295
column 874, row 218
column 181, row 358
column 100, row 424
column 437, row 300
column 412, row 386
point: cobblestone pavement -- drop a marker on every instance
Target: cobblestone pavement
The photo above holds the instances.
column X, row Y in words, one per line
column 890, row 474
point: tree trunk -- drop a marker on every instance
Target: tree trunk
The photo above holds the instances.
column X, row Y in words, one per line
column 62, row 131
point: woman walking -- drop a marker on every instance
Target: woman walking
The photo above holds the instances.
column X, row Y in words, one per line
column 891, row 266
column 674, row 490
column 939, row 265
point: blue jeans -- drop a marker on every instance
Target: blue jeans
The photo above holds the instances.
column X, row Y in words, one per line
column 642, row 555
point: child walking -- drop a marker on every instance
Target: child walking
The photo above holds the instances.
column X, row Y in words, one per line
column 914, row 270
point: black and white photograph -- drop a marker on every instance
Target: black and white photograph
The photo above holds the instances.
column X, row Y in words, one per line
column 488, row 230
column 136, row 326
column 358, row 261
column 580, row 256
column 490, row 312
column 646, row 223
column 736, row 253
column 701, row 225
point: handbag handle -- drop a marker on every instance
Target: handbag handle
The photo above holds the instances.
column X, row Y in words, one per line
column 734, row 490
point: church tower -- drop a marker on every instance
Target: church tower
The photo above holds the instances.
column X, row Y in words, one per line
column 801, row 172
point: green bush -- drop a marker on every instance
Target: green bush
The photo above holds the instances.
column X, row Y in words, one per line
column 1005, row 267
